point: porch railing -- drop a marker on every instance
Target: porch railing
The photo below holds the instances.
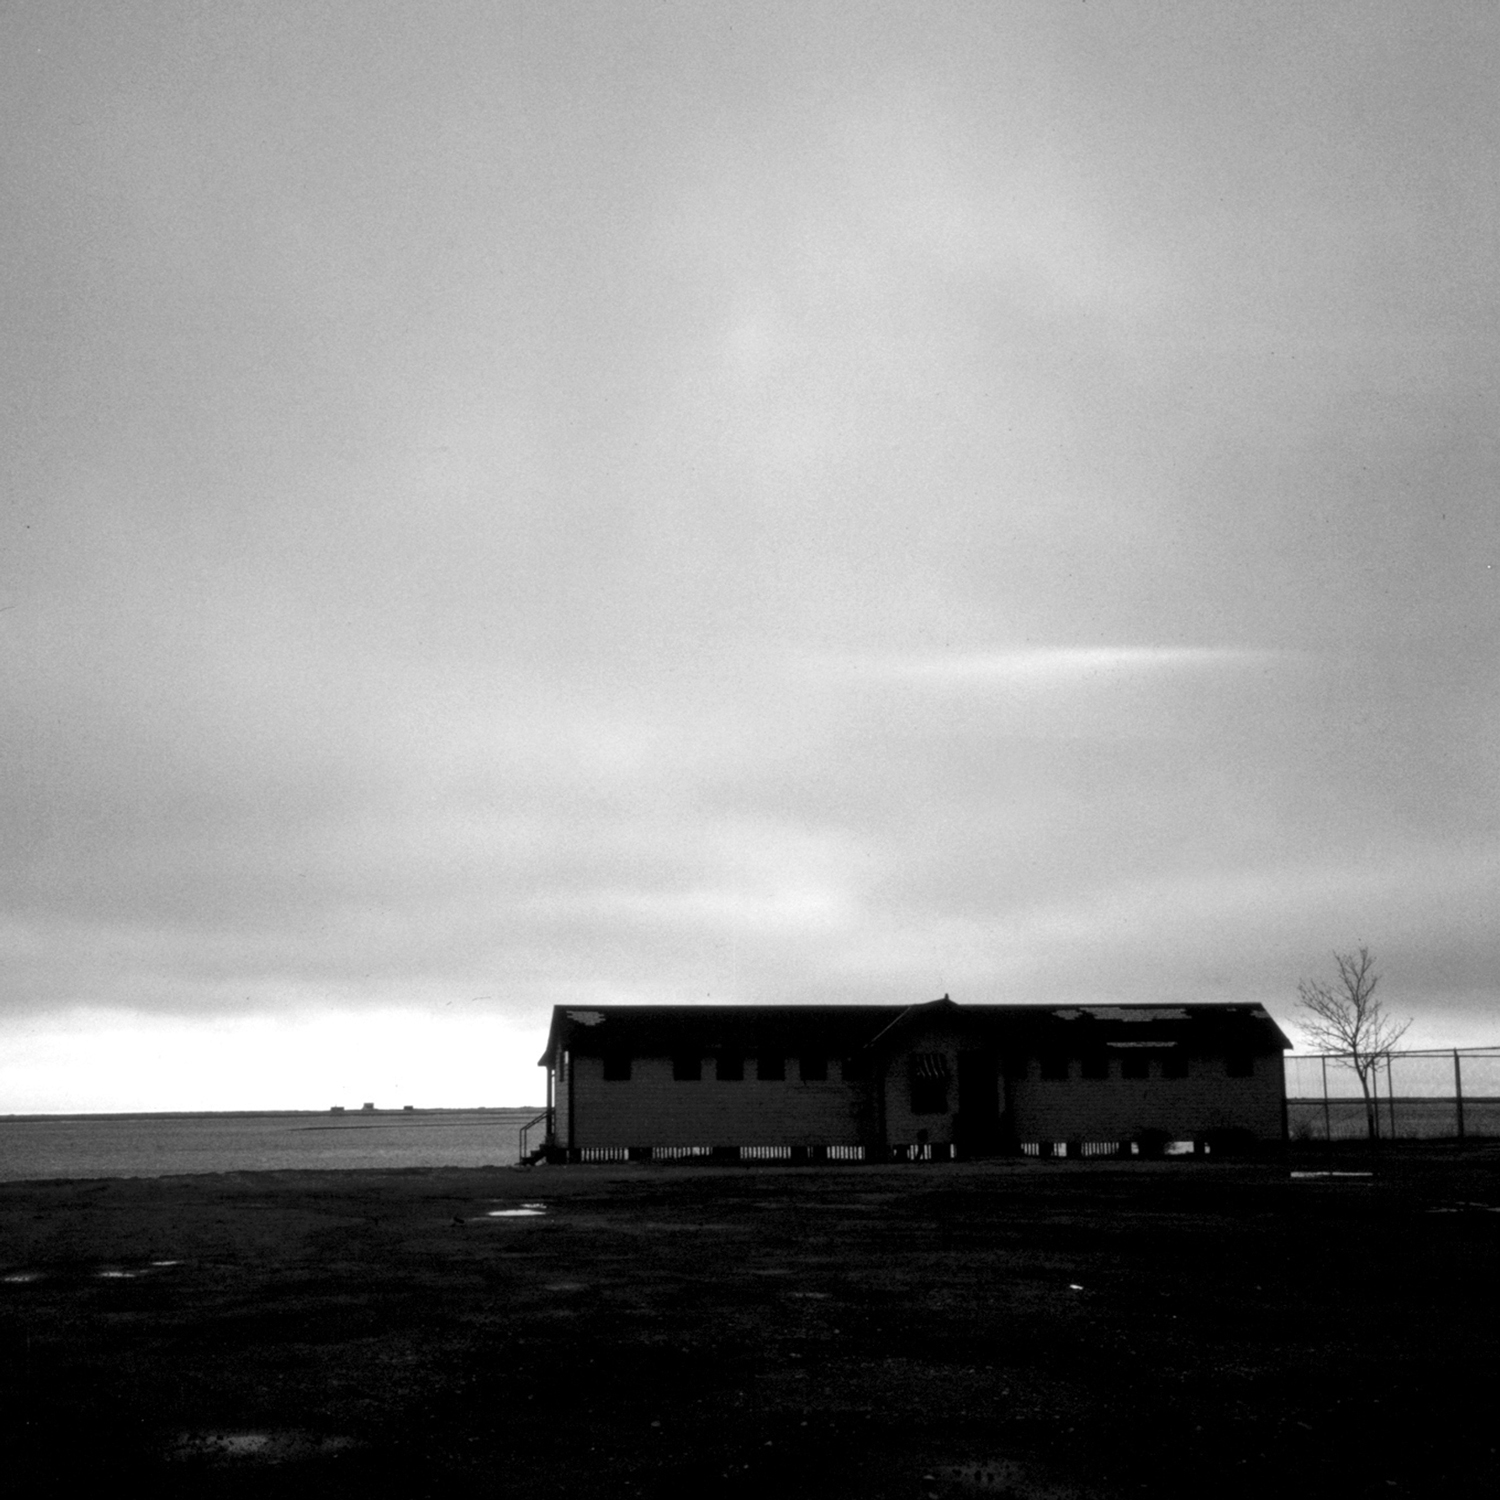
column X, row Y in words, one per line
column 523, row 1140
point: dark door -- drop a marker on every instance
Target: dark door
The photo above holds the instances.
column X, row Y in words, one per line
column 976, row 1124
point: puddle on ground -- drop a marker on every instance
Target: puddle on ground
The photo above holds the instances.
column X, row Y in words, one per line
column 103, row 1273
column 1332, row 1174
column 257, row 1447
column 525, row 1211
column 566, row 1286
column 999, row 1477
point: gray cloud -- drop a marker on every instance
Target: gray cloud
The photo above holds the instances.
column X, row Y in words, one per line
column 601, row 503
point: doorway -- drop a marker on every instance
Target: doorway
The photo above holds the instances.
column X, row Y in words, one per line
column 977, row 1122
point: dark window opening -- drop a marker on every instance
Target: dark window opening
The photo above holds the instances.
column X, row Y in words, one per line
column 1054, row 1065
column 770, row 1068
column 929, row 1083
column 1174, row 1065
column 731, row 1068
column 1095, row 1065
column 1135, row 1065
column 617, row 1067
column 814, row 1068
column 687, row 1067
column 929, row 1096
column 857, row 1068
column 1240, row 1065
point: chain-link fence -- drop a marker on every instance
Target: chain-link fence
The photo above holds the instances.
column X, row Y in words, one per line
column 1415, row 1095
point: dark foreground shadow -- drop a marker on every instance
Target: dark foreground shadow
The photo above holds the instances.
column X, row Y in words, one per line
column 1034, row 1330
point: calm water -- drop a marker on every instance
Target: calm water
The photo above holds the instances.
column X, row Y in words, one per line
column 159, row 1145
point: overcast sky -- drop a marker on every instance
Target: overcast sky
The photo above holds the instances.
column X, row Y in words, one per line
column 509, row 505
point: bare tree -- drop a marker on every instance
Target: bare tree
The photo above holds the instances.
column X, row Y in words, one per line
column 1345, row 1017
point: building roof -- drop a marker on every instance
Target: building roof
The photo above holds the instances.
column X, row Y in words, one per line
column 842, row 1030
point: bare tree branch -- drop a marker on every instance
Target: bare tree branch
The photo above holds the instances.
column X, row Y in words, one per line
column 1344, row 1017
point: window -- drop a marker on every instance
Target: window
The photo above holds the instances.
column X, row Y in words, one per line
column 857, row 1068
column 814, row 1068
column 1054, row 1065
column 1239, row 1064
column 617, row 1067
column 1175, row 1064
column 1095, row 1065
column 929, row 1083
column 929, row 1096
column 687, row 1067
column 1135, row 1065
column 770, row 1067
column 731, row 1067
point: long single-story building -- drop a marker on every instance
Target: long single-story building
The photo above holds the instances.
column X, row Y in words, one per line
column 875, row 1082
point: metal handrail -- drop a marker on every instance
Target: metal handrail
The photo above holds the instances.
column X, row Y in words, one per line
column 526, row 1129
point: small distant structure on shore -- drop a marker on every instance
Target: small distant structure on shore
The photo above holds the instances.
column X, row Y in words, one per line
column 336, row 1109
column 367, row 1108
column 407, row 1109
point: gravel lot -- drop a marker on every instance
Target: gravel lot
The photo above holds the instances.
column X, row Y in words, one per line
column 1039, row 1328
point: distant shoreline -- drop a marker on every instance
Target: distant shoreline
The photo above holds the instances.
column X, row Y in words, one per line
column 262, row 1114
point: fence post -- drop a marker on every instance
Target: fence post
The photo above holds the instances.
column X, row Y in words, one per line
column 1390, row 1096
column 1327, row 1121
column 1458, row 1092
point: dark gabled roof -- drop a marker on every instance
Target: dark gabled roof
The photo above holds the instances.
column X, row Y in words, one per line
column 1210, row 1026
column 644, row 1030
column 840, row 1030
